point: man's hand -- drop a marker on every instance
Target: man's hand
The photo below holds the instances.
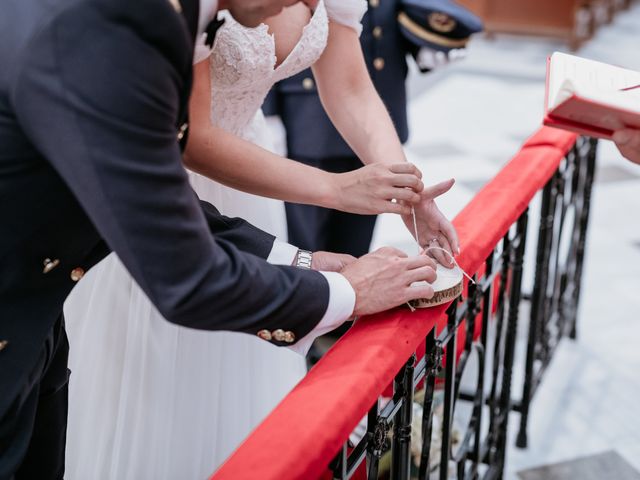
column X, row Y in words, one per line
column 434, row 229
column 628, row 142
column 382, row 279
column 331, row 262
column 430, row 59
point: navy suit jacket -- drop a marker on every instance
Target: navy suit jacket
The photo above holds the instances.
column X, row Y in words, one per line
column 91, row 93
column 310, row 133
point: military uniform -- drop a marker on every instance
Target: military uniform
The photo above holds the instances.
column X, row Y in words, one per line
column 312, row 139
column 93, row 96
column 387, row 38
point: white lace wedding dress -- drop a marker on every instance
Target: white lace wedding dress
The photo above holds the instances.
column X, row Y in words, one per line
column 150, row 400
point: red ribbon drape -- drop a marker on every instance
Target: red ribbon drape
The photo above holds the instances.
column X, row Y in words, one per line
column 303, row 434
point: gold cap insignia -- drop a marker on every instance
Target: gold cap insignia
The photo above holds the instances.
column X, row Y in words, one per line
column 441, row 22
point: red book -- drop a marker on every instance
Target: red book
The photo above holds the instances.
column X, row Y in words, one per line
column 589, row 97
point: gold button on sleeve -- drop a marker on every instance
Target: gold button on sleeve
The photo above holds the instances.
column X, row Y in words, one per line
column 377, row 32
column 279, row 335
column 77, row 274
column 50, row 264
column 289, row 337
column 308, row 83
column 182, row 131
column 3, row 344
column 374, row 3
column 378, row 63
column 265, row 335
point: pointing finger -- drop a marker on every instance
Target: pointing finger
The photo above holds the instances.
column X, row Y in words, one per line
column 438, row 189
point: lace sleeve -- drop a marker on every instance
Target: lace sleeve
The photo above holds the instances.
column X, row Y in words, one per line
column 347, row 12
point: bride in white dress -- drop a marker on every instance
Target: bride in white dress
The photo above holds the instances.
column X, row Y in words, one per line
column 149, row 399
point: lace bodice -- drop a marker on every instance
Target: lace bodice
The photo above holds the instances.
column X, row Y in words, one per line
column 243, row 67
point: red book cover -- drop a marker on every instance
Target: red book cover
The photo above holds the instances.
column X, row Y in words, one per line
column 587, row 117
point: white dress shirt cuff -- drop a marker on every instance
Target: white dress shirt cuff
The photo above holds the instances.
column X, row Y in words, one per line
column 282, row 253
column 342, row 301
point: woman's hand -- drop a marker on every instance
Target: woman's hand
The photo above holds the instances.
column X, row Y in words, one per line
column 376, row 188
column 434, row 229
column 628, row 142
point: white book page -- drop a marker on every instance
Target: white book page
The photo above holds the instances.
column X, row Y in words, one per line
column 596, row 81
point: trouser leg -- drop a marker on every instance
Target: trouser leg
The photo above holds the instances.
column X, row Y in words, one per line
column 316, row 228
column 33, row 431
column 350, row 233
column 307, row 224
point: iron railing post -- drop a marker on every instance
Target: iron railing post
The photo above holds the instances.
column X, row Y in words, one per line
column 401, row 446
column 517, row 260
column 584, row 223
column 433, row 357
column 538, row 296
column 449, row 393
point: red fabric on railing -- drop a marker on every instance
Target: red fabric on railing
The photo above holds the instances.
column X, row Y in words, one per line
column 303, row 434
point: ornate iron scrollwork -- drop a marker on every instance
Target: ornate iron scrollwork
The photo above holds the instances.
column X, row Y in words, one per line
column 564, row 217
column 482, row 445
column 380, row 442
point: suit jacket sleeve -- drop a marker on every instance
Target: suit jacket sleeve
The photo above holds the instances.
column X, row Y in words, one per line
column 99, row 96
column 239, row 232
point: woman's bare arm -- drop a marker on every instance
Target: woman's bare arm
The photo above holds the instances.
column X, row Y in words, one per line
column 351, row 100
column 355, row 108
column 228, row 159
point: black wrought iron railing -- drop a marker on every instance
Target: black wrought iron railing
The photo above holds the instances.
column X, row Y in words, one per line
column 564, row 218
column 451, row 367
column 478, row 451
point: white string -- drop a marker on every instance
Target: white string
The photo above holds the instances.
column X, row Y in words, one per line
column 453, row 260
column 415, row 231
column 415, row 225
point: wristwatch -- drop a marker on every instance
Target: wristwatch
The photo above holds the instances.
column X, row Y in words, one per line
column 304, row 259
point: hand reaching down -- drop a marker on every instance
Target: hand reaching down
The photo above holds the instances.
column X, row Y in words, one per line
column 429, row 59
column 434, row 229
column 382, row 279
column 628, row 142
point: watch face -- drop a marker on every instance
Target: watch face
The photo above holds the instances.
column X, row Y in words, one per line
column 441, row 22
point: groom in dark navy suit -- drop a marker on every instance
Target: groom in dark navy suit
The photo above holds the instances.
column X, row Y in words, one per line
column 93, row 95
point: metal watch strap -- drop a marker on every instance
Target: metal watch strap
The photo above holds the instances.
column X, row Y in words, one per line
column 304, row 259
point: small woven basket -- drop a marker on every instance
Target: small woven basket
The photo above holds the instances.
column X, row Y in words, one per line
column 447, row 287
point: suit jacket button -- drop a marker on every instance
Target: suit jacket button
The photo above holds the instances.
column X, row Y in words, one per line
column 308, row 83
column 377, row 32
column 279, row 335
column 77, row 274
column 182, row 131
column 265, row 335
column 50, row 264
column 374, row 3
column 289, row 337
column 3, row 344
column 378, row 63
